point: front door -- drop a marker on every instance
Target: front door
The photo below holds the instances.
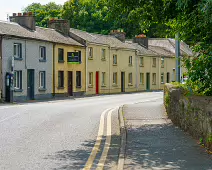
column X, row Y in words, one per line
column 167, row 78
column 70, row 83
column 30, row 84
column 97, row 82
column 122, row 82
column 147, row 81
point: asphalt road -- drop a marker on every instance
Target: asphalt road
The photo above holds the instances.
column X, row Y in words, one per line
column 55, row 134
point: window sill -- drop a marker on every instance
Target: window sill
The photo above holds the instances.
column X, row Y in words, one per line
column 141, row 84
column 90, row 58
column 103, row 85
column 141, row 65
column 162, row 66
column 42, row 60
column 103, row 59
column 130, row 65
column 61, row 61
column 18, row 58
column 18, row 90
column 60, row 87
column 130, row 84
column 42, row 89
column 162, row 82
column 114, row 64
column 90, row 86
column 115, row 85
column 153, row 66
column 78, row 87
column 153, row 83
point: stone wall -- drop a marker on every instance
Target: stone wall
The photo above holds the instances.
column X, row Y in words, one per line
column 191, row 113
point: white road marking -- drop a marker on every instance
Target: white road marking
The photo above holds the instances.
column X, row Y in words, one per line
column 107, row 142
column 95, row 149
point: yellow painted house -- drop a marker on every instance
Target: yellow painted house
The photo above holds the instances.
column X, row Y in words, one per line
column 68, row 62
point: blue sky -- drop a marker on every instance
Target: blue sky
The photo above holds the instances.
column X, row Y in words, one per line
column 15, row 6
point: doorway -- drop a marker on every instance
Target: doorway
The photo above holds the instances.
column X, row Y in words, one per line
column 97, row 82
column 70, row 83
column 147, row 81
column 30, row 84
column 168, row 77
column 122, row 81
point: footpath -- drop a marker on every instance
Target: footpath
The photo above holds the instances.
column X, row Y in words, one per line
column 153, row 142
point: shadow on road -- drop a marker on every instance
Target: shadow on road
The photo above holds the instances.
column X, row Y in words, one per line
column 164, row 146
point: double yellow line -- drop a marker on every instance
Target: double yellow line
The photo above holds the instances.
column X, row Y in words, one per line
column 95, row 149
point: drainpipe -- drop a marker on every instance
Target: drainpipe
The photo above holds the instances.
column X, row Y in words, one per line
column 109, row 70
column 53, row 70
column 25, row 56
column 86, row 68
column 136, row 62
column 1, row 80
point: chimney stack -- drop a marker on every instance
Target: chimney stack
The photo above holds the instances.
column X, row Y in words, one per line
column 119, row 34
column 141, row 40
column 60, row 25
column 26, row 20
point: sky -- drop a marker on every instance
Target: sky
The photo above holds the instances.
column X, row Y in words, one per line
column 15, row 6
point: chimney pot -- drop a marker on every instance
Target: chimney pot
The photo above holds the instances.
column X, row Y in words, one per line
column 19, row 14
column 24, row 14
column 14, row 14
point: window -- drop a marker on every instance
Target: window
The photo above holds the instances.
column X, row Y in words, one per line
column 168, row 77
column 78, row 78
column 18, row 79
column 115, row 78
column 103, row 78
column 90, row 52
column 60, row 54
column 154, row 62
column 42, row 80
column 162, row 78
column 60, row 79
column 90, row 81
column 17, row 50
column 130, row 78
column 103, row 54
column 130, row 60
column 162, row 61
column 154, row 78
column 141, row 78
column 114, row 59
column 42, row 53
column 141, row 61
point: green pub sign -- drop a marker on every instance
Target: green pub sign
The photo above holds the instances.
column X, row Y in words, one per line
column 74, row 57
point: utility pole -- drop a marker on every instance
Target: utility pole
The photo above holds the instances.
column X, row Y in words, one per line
column 177, row 53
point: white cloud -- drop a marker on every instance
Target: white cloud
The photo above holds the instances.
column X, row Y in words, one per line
column 15, row 6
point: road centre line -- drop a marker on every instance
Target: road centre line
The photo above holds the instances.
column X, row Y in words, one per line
column 103, row 157
column 95, row 149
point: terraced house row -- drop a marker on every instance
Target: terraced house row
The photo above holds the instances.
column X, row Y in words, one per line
column 40, row 63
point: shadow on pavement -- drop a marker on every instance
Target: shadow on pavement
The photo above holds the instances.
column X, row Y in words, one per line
column 164, row 146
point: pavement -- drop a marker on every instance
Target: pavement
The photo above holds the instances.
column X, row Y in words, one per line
column 154, row 143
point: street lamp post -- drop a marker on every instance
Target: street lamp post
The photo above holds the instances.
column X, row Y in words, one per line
column 177, row 53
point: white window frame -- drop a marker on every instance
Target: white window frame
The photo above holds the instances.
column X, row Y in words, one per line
column 90, row 52
column 130, row 78
column 17, row 79
column 162, row 61
column 17, row 53
column 115, row 77
column 114, row 59
column 42, row 79
column 103, row 78
column 42, row 50
column 130, row 60
column 162, row 78
column 103, row 54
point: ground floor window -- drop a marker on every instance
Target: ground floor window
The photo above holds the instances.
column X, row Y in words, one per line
column 115, row 78
column 18, row 79
column 42, row 81
column 141, row 78
column 90, row 80
column 78, row 78
column 60, row 79
column 130, row 78
column 162, row 78
column 103, row 78
column 154, row 78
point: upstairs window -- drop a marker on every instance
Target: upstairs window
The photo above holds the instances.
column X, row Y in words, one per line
column 141, row 61
column 42, row 53
column 162, row 61
column 90, row 52
column 154, row 62
column 114, row 59
column 17, row 50
column 60, row 55
column 130, row 60
column 103, row 54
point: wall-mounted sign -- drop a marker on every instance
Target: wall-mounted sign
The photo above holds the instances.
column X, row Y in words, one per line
column 74, row 57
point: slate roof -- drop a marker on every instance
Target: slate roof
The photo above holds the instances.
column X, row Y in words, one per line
column 161, row 51
column 142, row 50
column 169, row 45
column 43, row 34
column 102, row 39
